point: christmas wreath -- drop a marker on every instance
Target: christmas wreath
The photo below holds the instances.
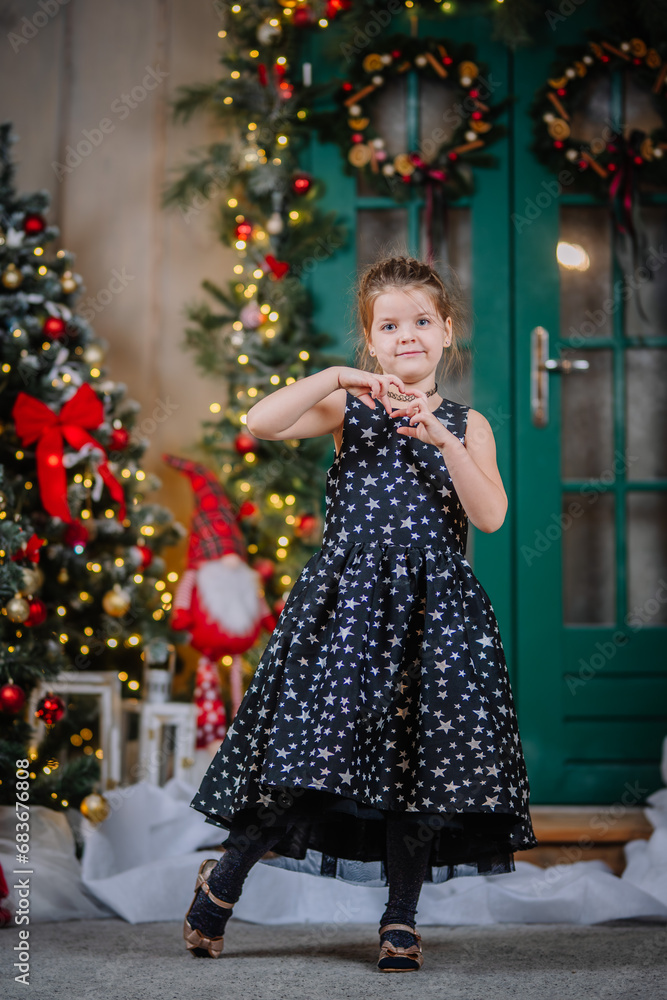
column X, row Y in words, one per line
column 441, row 161
column 608, row 162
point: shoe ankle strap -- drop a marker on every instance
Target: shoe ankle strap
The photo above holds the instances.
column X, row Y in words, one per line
column 205, row 887
column 400, row 927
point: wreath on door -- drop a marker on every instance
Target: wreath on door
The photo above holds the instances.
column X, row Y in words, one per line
column 610, row 164
column 445, row 158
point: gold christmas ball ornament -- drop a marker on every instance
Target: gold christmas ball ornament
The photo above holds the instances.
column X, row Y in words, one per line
column 373, row 62
column 638, row 47
column 33, row 578
column 653, row 60
column 404, row 164
column 68, row 282
column 17, row 609
column 95, row 808
column 63, row 575
column 116, row 602
column 93, row 354
column 359, row 155
column 558, row 129
column 11, row 276
column 479, row 126
column 358, row 124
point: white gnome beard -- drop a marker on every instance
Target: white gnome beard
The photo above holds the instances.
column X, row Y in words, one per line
column 229, row 591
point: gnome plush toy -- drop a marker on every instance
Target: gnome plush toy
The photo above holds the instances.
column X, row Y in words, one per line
column 219, row 599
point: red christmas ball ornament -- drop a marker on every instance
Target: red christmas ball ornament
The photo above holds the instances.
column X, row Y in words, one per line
column 305, row 525
column 12, row 698
column 146, row 556
column 50, row 709
column 243, row 230
column 245, row 442
column 54, row 327
column 265, row 568
column 348, row 86
column 33, row 224
column 248, row 509
column 37, row 612
column 119, row 439
column 76, row 534
column 301, row 184
column 303, row 16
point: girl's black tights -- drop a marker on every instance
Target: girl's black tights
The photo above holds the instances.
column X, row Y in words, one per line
column 407, row 862
column 248, row 841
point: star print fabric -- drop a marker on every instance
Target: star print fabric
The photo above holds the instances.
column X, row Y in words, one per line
column 384, row 685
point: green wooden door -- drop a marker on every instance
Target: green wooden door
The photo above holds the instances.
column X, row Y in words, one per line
column 589, row 686
column 590, row 500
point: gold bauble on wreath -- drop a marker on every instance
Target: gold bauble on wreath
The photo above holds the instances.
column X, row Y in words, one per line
column 95, row 808
column 11, row 276
column 116, row 602
column 17, row 609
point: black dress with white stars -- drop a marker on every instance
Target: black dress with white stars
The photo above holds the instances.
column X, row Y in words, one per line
column 384, row 685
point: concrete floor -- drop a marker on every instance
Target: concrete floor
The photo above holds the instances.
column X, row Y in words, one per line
column 113, row 960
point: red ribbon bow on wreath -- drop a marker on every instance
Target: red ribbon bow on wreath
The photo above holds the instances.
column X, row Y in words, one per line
column 35, row 421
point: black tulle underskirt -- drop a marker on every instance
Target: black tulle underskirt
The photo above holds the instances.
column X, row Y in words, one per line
column 344, row 830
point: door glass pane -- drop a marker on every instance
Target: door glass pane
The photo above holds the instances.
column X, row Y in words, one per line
column 649, row 284
column 646, row 413
column 592, row 110
column 584, row 254
column 380, row 231
column 589, row 573
column 647, row 557
column 454, row 245
column 387, row 110
column 438, row 116
column 587, row 417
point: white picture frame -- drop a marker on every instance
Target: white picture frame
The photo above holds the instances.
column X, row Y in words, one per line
column 105, row 685
column 167, row 739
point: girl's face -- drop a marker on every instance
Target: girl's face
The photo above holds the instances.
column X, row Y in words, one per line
column 408, row 334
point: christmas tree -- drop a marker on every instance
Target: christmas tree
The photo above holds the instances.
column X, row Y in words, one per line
column 257, row 333
column 82, row 583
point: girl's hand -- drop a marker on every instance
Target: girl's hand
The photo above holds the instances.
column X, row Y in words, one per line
column 367, row 386
column 426, row 427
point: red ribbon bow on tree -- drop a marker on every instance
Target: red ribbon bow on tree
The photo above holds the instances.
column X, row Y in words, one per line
column 35, row 421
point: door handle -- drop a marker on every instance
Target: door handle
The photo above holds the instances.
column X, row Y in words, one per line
column 540, row 367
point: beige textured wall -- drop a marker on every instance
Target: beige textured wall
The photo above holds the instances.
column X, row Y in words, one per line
column 64, row 67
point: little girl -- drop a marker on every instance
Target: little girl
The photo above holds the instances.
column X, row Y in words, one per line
column 379, row 728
